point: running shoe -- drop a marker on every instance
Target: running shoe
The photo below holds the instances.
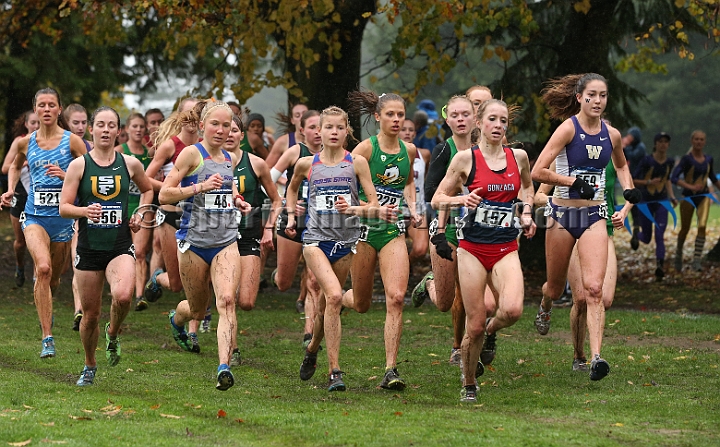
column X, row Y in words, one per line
column 308, row 365
column 392, row 380
column 580, row 365
column 141, row 304
column 678, row 262
column 235, row 358
column 153, row 291
column 336, row 382
column 599, row 368
column 420, row 293
column 112, row 347
column 77, row 319
column 87, row 377
column 205, row 324
column 195, row 344
column 697, row 264
column 179, row 334
column 19, row 277
column 468, row 394
column 455, row 357
column 480, row 369
column 542, row 321
column 660, row 270
column 300, row 306
column 48, row 347
column 563, row 301
column 272, row 278
column 634, row 242
column 307, row 338
column 225, row 378
column 487, row 355
column 263, row 283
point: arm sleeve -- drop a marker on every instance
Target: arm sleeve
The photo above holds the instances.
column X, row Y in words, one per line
column 438, row 167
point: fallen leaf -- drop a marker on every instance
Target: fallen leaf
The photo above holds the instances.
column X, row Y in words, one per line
column 111, row 407
column 87, row 411
column 20, row 444
column 155, row 407
column 275, row 397
column 436, row 362
column 363, row 336
column 49, row 424
column 372, row 378
column 682, row 357
column 499, row 429
column 618, row 424
column 520, row 361
column 490, row 368
column 53, row 442
column 112, row 412
column 432, row 355
column 151, row 362
column 29, row 407
column 421, row 313
column 630, row 383
column 170, row 416
column 80, row 418
column 631, row 357
column 240, row 421
column 221, row 414
column 398, row 413
column 129, row 370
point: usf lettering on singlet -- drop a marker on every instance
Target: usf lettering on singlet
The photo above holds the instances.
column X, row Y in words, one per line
column 389, row 174
column 585, row 157
column 493, row 221
column 109, row 186
column 327, row 185
column 248, row 185
column 135, row 193
column 44, row 193
column 208, row 219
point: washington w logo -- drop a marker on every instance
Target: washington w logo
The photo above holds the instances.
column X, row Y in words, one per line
column 102, row 185
column 593, row 151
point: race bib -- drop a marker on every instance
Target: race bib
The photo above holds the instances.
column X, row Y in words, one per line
column 133, row 189
column 326, row 197
column 111, row 217
column 304, row 190
column 499, row 216
column 183, row 245
column 388, row 196
column 590, row 175
column 47, row 196
column 219, row 200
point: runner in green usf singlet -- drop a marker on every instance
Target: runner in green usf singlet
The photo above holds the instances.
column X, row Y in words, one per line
column 134, row 191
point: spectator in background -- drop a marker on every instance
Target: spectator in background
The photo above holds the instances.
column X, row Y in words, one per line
column 428, row 132
column 634, row 150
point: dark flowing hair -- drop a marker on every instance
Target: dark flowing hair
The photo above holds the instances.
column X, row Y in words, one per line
column 560, row 94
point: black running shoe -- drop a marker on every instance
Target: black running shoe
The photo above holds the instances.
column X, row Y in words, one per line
column 19, row 277
column 487, row 355
column 76, row 320
column 392, row 380
column 225, row 379
column 599, row 368
column 195, row 343
column 336, row 382
column 308, row 365
column 468, row 394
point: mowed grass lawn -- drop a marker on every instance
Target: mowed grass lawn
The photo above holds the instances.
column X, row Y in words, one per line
column 662, row 390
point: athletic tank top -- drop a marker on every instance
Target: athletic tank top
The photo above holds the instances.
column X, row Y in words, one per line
column 109, row 186
column 134, row 200
column 44, row 193
column 648, row 168
column 389, row 173
column 303, row 191
column 179, row 146
column 208, row 219
column 419, row 169
column 586, row 157
column 88, row 146
column 327, row 183
column 694, row 173
column 494, row 220
column 291, row 139
column 248, row 185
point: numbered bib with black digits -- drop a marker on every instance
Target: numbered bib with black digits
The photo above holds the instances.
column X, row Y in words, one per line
column 494, row 215
column 219, row 201
column 592, row 176
column 111, row 217
column 133, row 189
column 326, row 196
column 388, row 196
column 47, row 196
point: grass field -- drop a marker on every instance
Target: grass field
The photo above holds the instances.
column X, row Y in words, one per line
column 662, row 389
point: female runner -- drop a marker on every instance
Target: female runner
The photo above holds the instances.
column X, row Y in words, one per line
column 76, row 118
column 202, row 178
column 142, row 239
column 100, row 181
column 27, row 123
column 653, row 178
column 48, row 151
column 253, row 141
column 292, row 137
column 171, row 138
column 487, row 252
column 255, row 234
column 419, row 234
column 383, row 238
column 330, row 238
column 583, row 145
column 289, row 249
column 696, row 169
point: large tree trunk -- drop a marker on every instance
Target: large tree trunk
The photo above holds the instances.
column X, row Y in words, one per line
column 322, row 85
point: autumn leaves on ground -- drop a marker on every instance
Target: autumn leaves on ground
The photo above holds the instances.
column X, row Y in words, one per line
column 662, row 389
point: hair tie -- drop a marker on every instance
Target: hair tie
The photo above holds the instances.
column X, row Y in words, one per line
column 382, row 95
column 443, row 112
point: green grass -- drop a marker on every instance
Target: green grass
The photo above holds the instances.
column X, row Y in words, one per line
column 662, row 389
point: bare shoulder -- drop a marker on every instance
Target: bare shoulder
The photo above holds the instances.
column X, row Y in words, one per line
column 364, row 149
